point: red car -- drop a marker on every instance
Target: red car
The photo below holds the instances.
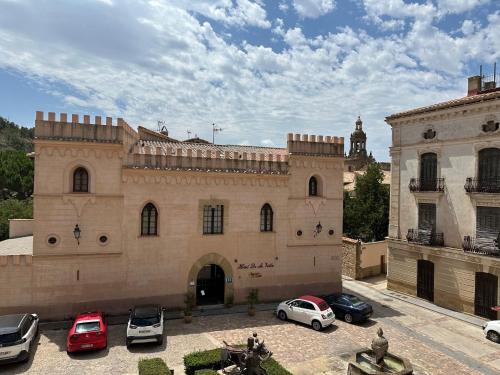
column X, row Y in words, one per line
column 89, row 332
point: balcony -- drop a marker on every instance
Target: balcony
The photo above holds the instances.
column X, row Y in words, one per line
column 484, row 185
column 481, row 245
column 418, row 185
column 425, row 237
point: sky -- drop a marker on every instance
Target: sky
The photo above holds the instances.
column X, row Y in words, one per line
column 257, row 69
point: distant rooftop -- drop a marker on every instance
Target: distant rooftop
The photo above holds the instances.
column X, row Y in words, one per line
column 17, row 246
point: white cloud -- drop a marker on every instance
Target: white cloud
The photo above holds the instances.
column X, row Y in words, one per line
column 283, row 6
column 468, row 27
column 459, row 6
column 313, row 8
column 156, row 60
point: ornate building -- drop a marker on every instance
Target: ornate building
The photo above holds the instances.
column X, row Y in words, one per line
column 358, row 157
column 124, row 217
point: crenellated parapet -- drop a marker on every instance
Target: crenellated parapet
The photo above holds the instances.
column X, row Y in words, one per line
column 82, row 129
column 182, row 158
column 315, row 145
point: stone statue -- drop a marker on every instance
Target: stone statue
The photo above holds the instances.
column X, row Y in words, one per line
column 380, row 346
column 247, row 361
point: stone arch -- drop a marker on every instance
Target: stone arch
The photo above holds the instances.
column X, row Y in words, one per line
column 211, row 258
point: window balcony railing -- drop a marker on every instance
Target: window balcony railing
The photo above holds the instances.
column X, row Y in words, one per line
column 481, row 245
column 484, row 185
column 425, row 237
column 419, row 185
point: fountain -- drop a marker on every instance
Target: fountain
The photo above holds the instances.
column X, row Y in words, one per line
column 377, row 360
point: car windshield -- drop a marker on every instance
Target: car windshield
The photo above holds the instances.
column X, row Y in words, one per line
column 355, row 301
column 146, row 321
column 84, row 327
column 145, row 316
column 10, row 338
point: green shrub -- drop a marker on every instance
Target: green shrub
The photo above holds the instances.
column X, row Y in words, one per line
column 206, row 372
column 208, row 359
column 153, row 366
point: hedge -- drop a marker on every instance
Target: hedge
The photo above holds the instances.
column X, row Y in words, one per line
column 153, row 366
column 210, row 360
column 206, row 372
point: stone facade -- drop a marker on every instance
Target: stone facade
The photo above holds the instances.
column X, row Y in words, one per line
column 112, row 265
column 454, row 135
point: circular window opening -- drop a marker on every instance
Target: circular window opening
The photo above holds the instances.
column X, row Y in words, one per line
column 52, row 240
column 299, row 233
column 103, row 239
column 330, row 232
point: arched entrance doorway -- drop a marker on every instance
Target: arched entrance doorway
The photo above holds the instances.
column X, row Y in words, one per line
column 210, row 285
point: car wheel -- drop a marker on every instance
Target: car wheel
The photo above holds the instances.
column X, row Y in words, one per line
column 493, row 336
column 128, row 343
column 282, row 315
column 160, row 340
column 316, row 325
column 348, row 318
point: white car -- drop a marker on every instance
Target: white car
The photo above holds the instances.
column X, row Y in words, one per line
column 492, row 330
column 17, row 334
column 307, row 309
column 145, row 324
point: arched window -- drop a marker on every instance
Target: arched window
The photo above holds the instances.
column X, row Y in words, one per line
column 80, row 180
column 266, row 218
column 313, row 187
column 149, row 220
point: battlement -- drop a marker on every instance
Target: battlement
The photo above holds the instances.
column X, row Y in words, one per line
column 196, row 159
column 315, row 145
column 16, row 260
column 111, row 132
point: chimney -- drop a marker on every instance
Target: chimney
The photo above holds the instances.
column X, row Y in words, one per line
column 474, row 85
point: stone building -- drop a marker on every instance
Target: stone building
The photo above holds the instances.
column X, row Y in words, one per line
column 358, row 158
column 445, row 201
column 124, row 217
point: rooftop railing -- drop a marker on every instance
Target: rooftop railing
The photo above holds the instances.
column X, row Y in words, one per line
column 422, row 185
column 483, row 185
column 426, row 237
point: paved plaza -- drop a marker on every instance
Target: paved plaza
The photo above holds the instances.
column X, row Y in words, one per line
column 435, row 343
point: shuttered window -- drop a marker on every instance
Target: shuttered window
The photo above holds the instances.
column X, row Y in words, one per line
column 428, row 171
column 489, row 167
column 427, row 217
column 488, row 223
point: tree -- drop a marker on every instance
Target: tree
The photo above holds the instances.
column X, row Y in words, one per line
column 366, row 213
column 16, row 175
column 13, row 209
column 15, row 137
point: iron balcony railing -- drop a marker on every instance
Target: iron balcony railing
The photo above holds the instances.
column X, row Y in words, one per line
column 418, row 185
column 481, row 245
column 425, row 237
column 483, row 185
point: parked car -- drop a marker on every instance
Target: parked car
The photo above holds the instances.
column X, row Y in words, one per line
column 89, row 332
column 349, row 307
column 145, row 325
column 491, row 330
column 17, row 334
column 307, row 309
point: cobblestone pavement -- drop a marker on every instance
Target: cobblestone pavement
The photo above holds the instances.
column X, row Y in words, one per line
column 434, row 343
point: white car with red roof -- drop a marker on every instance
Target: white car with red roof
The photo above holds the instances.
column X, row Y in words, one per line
column 310, row 310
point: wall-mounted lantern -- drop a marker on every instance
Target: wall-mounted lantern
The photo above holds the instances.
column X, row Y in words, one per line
column 318, row 229
column 76, row 233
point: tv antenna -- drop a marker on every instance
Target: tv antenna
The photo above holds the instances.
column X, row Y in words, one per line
column 214, row 130
column 188, row 133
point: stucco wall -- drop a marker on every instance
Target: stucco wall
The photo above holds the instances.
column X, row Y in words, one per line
column 20, row 227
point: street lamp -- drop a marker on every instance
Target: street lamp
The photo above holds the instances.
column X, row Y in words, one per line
column 319, row 227
column 76, row 233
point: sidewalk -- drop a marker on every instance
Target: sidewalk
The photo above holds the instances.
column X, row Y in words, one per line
column 377, row 284
column 170, row 315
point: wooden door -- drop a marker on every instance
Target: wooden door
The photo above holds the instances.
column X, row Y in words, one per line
column 485, row 296
column 425, row 280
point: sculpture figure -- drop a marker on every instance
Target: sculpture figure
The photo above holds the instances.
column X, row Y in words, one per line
column 247, row 361
column 380, row 346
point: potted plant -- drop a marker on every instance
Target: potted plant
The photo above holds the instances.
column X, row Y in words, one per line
column 229, row 301
column 252, row 299
column 188, row 309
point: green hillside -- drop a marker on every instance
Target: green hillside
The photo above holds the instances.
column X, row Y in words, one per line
column 15, row 137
